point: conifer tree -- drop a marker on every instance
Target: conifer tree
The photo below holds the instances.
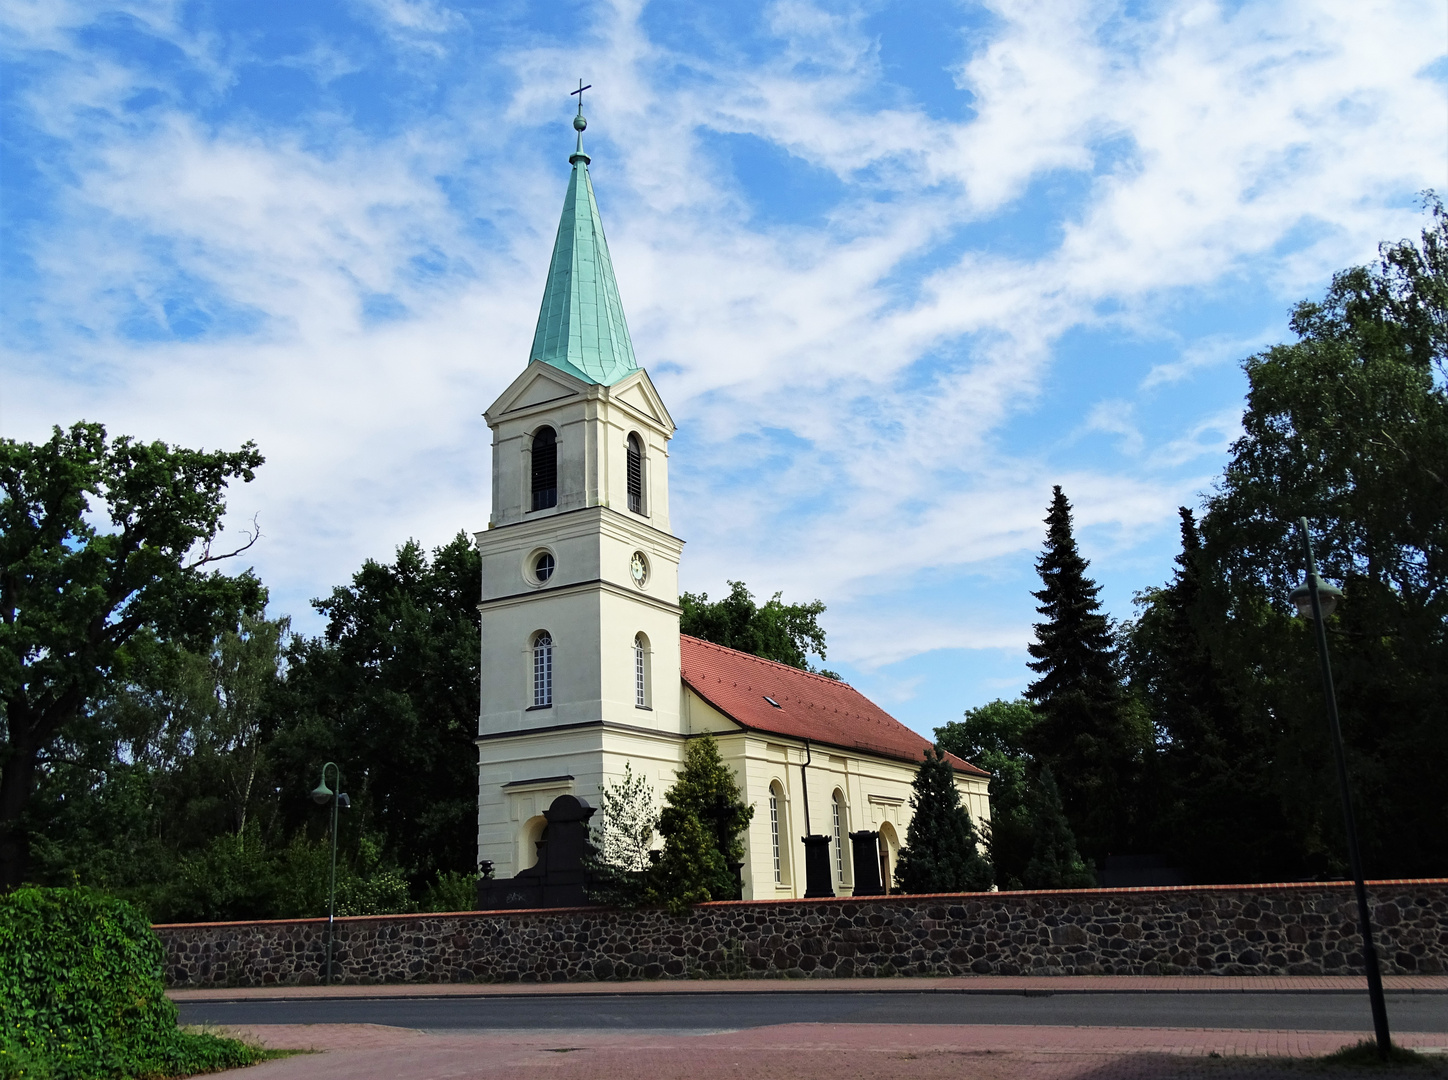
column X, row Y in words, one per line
column 942, row 851
column 1088, row 733
column 704, row 815
column 1055, row 863
column 1214, row 807
column 689, row 868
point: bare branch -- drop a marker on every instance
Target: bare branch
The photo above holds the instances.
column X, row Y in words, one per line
column 206, row 557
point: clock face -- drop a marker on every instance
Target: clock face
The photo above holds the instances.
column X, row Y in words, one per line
column 638, row 568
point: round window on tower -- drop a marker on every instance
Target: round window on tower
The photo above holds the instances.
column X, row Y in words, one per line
column 542, row 567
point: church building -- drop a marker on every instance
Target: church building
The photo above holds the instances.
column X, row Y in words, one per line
column 584, row 669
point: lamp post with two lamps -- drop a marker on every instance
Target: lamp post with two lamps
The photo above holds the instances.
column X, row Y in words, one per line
column 321, row 795
column 1316, row 600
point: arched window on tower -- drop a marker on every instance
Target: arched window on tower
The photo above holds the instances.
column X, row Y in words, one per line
column 545, row 468
column 641, row 671
column 542, row 670
column 635, row 475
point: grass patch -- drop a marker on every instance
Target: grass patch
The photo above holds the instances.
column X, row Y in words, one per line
column 263, row 1053
column 1363, row 1057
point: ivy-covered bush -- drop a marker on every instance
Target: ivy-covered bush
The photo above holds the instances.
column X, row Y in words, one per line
column 81, row 994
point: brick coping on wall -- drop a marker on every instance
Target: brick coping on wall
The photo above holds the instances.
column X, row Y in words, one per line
column 1383, row 883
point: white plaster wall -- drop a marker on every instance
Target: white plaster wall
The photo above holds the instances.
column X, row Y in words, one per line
column 875, row 790
column 592, row 756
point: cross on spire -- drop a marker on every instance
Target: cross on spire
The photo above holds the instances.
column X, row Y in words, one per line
column 579, row 123
column 579, row 92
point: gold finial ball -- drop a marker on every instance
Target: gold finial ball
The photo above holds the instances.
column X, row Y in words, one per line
column 579, row 123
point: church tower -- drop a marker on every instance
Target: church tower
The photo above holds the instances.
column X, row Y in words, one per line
column 580, row 604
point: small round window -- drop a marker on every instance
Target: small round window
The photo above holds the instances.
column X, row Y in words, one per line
column 543, row 567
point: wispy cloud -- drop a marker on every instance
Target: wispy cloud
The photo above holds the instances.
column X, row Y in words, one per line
column 880, row 393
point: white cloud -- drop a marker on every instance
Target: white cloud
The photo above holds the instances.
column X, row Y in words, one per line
column 417, row 23
column 846, row 389
column 1213, row 350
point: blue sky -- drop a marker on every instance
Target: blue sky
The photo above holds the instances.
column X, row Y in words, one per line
column 897, row 268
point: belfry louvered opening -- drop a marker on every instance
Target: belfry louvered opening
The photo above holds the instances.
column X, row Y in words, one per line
column 545, row 469
column 635, row 475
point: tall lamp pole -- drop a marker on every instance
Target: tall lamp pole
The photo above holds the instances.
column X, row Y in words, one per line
column 1316, row 600
column 321, row 795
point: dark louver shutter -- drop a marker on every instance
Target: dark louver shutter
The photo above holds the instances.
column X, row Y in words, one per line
column 545, row 469
column 635, row 476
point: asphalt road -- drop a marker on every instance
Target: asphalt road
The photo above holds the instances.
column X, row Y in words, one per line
column 715, row 1012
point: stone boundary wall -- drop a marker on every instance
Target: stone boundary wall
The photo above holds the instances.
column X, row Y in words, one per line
column 1297, row 929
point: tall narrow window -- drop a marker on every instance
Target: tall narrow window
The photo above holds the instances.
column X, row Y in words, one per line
column 542, row 670
column 545, row 469
column 635, row 475
column 641, row 675
column 839, row 813
column 774, row 834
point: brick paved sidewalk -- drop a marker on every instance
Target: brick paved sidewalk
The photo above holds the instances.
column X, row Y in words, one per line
column 806, row 1052
column 978, row 984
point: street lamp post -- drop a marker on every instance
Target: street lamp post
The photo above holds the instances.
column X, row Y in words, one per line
column 1316, row 600
column 321, row 795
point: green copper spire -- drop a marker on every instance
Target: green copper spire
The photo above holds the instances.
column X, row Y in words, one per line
column 581, row 329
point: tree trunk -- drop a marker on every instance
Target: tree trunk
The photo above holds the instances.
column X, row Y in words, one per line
column 17, row 779
column 30, row 731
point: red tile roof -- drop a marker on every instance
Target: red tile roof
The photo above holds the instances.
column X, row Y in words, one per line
column 809, row 706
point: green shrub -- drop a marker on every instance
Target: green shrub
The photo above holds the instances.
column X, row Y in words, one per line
column 81, row 994
column 452, row 891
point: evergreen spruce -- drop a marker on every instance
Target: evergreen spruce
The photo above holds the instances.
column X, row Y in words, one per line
column 1214, row 808
column 1088, row 733
column 941, row 852
column 705, row 814
column 1055, row 863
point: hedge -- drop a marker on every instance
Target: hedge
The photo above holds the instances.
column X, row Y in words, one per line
column 81, row 994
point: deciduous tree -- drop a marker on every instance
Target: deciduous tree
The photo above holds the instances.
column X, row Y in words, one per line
column 622, row 838
column 100, row 540
column 1348, row 425
column 994, row 737
column 785, row 633
column 390, row 692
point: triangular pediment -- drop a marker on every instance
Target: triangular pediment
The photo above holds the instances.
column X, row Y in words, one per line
column 539, row 384
column 639, row 399
column 638, row 392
